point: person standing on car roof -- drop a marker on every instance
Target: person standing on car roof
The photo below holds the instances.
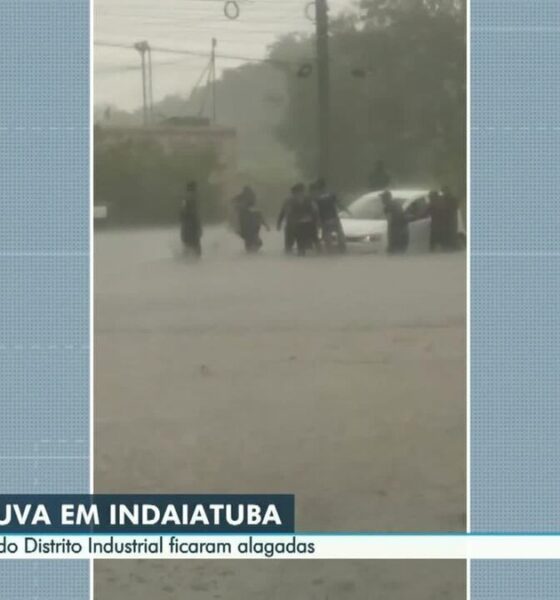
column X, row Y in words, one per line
column 191, row 227
column 397, row 224
column 327, row 207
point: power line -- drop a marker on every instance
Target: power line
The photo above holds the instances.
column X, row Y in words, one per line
column 101, row 70
column 220, row 55
column 273, row 13
column 199, row 80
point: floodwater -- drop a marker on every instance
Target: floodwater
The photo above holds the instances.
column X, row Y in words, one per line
column 338, row 379
column 281, row 580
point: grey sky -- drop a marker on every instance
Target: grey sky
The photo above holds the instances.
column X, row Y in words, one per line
column 184, row 24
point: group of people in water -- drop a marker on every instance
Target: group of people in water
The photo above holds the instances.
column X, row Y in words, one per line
column 309, row 216
column 310, row 219
column 442, row 209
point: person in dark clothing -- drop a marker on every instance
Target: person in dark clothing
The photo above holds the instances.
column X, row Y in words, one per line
column 286, row 217
column 305, row 221
column 397, row 225
column 245, row 197
column 450, row 209
column 191, row 228
column 329, row 221
column 379, row 178
column 250, row 222
column 437, row 220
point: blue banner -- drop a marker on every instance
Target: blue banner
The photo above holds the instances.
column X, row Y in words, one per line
column 148, row 513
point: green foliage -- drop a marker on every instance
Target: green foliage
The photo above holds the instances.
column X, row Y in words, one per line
column 251, row 99
column 142, row 182
column 398, row 93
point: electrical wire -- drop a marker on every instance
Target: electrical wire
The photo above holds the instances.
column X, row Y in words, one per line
column 164, row 50
column 123, row 68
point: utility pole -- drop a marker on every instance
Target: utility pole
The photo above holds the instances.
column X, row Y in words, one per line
column 142, row 48
column 323, row 85
column 213, row 71
column 150, row 86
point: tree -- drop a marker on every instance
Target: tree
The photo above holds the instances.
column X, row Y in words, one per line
column 142, row 182
column 398, row 87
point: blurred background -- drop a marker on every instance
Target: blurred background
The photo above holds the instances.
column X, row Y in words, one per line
column 230, row 93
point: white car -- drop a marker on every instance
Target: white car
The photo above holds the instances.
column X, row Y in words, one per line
column 365, row 226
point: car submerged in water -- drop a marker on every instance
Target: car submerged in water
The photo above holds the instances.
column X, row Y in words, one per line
column 365, row 225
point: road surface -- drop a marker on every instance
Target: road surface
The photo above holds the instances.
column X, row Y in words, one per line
column 340, row 379
column 280, row 580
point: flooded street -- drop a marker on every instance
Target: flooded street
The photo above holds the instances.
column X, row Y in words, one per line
column 341, row 380
column 281, row 580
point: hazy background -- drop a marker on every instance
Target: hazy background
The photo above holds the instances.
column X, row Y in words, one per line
column 340, row 379
column 185, row 24
column 398, row 84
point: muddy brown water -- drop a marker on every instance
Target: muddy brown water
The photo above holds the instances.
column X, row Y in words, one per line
column 339, row 379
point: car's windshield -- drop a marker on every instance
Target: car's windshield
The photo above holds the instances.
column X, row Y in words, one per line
column 368, row 207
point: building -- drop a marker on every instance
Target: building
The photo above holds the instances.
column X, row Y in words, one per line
column 195, row 135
